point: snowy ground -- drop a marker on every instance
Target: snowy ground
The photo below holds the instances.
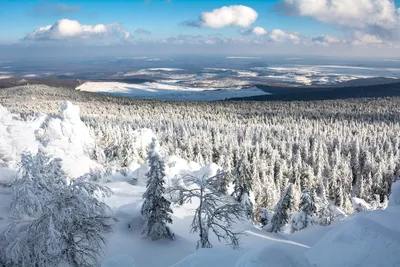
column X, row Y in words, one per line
column 168, row 91
column 368, row 239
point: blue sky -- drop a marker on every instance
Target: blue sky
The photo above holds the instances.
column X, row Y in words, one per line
column 376, row 24
column 162, row 18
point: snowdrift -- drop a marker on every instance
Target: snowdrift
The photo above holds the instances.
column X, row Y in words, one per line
column 371, row 238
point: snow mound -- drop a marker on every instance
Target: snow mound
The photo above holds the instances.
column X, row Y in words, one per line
column 360, row 242
column 209, row 170
column 16, row 137
column 66, row 131
column 360, row 204
column 276, row 255
column 68, row 138
column 119, row 261
column 209, row 257
column 394, row 199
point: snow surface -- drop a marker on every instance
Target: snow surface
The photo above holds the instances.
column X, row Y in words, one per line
column 168, row 91
column 395, row 195
column 368, row 239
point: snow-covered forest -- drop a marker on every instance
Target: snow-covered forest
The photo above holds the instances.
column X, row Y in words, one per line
column 279, row 168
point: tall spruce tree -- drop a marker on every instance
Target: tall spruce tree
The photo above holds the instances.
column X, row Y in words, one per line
column 281, row 215
column 156, row 209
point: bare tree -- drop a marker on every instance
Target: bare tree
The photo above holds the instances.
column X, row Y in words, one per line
column 215, row 213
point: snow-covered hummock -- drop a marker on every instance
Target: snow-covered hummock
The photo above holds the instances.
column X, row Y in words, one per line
column 371, row 238
column 360, row 204
column 168, row 91
column 16, row 137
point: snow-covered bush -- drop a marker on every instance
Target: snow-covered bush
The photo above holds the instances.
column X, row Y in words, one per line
column 71, row 229
column 265, row 217
column 40, row 178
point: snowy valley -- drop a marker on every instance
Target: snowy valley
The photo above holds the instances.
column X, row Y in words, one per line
column 299, row 205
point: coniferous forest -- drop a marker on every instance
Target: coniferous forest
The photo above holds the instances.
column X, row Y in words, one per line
column 298, row 157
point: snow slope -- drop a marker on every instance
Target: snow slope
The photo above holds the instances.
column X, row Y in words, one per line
column 168, row 91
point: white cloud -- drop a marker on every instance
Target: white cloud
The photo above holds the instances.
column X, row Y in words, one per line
column 325, row 40
column 66, row 29
column 363, row 39
column 235, row 15
column 375, row 17
column 259, row 31
column 278, row 35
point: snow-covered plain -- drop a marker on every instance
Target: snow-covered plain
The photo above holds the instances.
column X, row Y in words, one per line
column 368, row 239
column 168, row 91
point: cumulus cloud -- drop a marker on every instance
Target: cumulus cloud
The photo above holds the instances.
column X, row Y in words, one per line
column 259, row 31
column 55, row 9
column 226, row 16
column 142, row 31
column 66, row 29
column 279, row 36
column 374, row 17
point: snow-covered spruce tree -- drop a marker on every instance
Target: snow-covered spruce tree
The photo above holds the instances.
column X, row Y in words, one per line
column 242, row 182
column 305, row 217
column 281, row 215
column 40, row 177
column 216, row 213
column 71, row 230
column 156, row 209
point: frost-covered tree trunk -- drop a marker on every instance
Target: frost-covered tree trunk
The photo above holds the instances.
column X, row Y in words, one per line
column 156, row 209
